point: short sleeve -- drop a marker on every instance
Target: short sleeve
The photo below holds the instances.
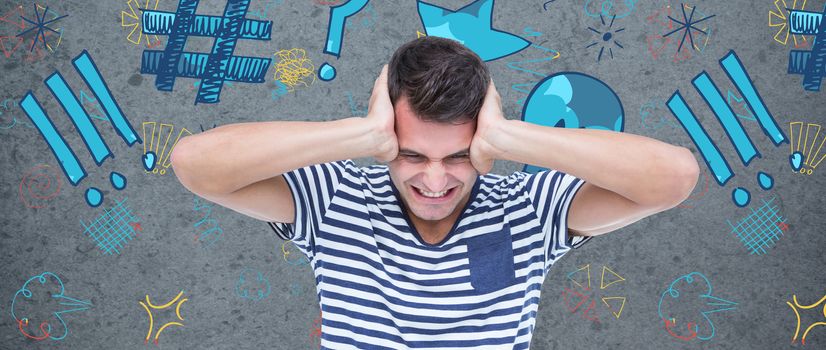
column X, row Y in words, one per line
column 551, row 193
column 312, row 189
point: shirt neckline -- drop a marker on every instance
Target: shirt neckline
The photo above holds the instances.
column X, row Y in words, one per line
column 471, row 199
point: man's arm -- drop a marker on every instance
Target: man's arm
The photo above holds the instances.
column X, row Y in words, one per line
column 628, row 177
column 239, row 165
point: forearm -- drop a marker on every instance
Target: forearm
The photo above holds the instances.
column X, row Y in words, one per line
column 642, row 169
column 227, row 158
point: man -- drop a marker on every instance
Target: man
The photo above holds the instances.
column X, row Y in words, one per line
column 430, row 251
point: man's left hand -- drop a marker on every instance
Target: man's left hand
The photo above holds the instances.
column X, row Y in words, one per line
column 490, row 119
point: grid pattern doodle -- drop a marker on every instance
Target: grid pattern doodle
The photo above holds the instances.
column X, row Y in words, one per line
column 214, row 68
column 113, row 228
column 761, row 229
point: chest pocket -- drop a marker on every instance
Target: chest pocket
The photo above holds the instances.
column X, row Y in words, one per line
column 490, row 257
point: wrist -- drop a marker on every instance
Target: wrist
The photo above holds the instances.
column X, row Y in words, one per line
column 357, row 135
column 494, row 139
column 381, row 138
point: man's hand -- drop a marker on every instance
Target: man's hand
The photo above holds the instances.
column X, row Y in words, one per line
column 381, row 115
column 482, row 151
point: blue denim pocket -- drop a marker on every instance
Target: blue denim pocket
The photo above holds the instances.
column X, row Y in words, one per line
column 490, row 257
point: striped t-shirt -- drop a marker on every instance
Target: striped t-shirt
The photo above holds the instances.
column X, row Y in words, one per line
column 380, row 286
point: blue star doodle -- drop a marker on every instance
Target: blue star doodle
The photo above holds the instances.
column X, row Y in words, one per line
column 812, row 64
column 606, row 36
column 219, row 65
column 686, row 26
column 472, row 26
column 41, row 24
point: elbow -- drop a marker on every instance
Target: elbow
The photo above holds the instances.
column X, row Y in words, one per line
column 181, row 158
column 686, row 172
column 194, row 169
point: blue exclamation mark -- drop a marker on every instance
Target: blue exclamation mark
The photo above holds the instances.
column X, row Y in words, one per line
column 335, row 34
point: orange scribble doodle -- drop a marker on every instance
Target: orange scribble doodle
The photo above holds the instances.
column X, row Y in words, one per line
column 43, row 326
column 670, row 325
column 657, row 43
column 582, row 300
column 315, row 333
column 39, row 186
column 37, row 46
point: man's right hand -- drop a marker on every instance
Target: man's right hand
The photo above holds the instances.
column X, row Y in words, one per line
column 381, row 116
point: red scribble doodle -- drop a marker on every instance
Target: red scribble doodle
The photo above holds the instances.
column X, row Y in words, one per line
column 670, row 324
column 38, row 186
column 783, row 227
column 698, row 195
column 154, row 44
column 582, row 300
column 657, row 43
column 12, row 18
column 43, row 326
column 10, row 43
column 804, row 44
column 315, row 333
column 136, row 226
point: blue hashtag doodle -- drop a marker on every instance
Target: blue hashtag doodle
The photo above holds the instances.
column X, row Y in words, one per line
column 214, row 68
column 811, row 64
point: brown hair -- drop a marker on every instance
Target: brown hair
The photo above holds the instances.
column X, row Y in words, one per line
column 443, row 80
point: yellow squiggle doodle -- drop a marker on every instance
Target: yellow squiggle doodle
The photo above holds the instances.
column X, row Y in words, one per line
column 797, row 305
column 149, row 305
column 293, row 67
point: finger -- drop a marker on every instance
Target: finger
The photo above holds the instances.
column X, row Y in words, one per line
column 491, row 91
column 381, row 81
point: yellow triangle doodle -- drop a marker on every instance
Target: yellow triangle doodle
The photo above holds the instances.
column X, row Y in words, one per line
column 420, row 34
column 587, row 269
column 622, row 305
column 602, row 284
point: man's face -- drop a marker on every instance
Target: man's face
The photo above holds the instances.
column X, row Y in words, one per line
column 433, row 173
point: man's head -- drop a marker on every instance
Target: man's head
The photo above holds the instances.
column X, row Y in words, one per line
column 437, row 87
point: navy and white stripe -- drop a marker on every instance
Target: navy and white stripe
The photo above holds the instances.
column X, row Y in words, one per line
column 381, row 287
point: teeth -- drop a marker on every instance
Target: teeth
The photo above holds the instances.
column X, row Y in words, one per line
column 432, row 194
